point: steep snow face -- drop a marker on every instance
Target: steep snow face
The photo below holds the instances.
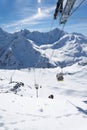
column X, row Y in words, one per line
column 23, row 49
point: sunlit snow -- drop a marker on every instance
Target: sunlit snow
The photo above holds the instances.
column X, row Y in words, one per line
column 22, row 67
column 22, row 110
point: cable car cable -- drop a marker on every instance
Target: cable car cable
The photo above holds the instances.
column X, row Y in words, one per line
column 40, row 59
column 77, row 7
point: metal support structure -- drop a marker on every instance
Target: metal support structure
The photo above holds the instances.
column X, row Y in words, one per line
column 59, row 8
column 37, row 87
column 67, row 11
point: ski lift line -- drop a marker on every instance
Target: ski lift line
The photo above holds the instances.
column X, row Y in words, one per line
column 34, row 76
column 49, row 35
column 12, row 75
column 65, row 14
column 58, row 40
column 40, row 60
column 61, row 33
column 43, row 60
column 50, row 31
column 84, row 18
column 77, row 7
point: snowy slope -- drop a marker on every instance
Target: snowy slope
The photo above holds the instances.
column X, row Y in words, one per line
column 21, row 110
column 70, row 49
column 20, row 52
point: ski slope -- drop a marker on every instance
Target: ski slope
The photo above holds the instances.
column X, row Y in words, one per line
column 20, row 109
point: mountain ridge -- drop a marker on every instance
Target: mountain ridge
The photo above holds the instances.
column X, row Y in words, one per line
column 28, row 49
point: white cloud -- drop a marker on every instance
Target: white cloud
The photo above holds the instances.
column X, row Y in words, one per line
column 32, row 20
column 27, row 21
column 39, row 1
column 39, row 10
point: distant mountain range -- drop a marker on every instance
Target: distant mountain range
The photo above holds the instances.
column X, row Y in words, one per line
column 35, row 49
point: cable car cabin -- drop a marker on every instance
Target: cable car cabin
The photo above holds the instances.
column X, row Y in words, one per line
column 60, row 77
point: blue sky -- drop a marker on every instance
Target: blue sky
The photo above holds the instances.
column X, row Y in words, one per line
column 38, row 15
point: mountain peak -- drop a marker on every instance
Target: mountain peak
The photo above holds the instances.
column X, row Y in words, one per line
column 42, row 37
column 26, row 50
column 25, row 31
column 1, row 31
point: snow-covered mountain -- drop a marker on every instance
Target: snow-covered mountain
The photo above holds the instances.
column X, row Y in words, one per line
column 41, row 38
column 25, row 102
column 34, row 49
column 71, row 48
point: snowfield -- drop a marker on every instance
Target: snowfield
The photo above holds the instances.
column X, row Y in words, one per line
column 27, row 60
column 20, row 109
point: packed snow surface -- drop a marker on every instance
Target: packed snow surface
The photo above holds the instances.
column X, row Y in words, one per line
column 20, row 109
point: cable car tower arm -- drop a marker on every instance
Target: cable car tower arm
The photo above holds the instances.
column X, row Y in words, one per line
column 67, row 11
column 59, row 8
